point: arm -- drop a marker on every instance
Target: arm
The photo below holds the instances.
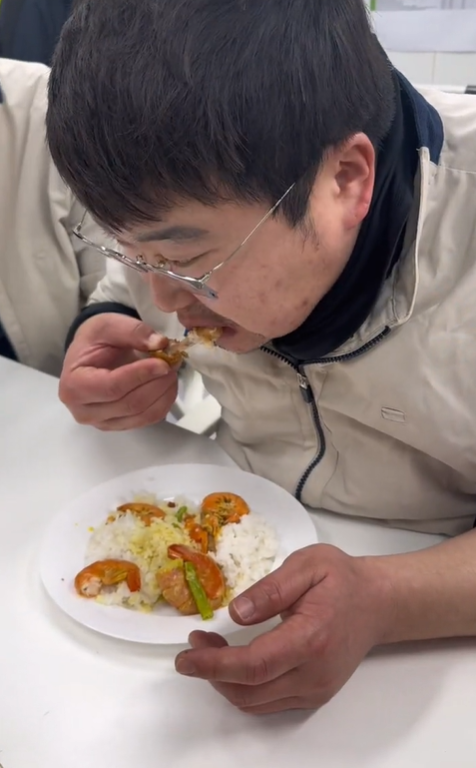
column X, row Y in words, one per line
column 432, row 593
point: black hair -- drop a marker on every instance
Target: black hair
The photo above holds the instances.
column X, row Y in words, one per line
column 154, row 101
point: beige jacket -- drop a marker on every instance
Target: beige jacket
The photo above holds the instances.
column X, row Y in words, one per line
column 391, row 433
column 46, row 274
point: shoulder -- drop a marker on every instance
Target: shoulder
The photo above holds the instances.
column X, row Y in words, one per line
column 23, row 84
column 458, row 115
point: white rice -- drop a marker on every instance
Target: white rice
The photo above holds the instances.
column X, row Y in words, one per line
column 246, row 551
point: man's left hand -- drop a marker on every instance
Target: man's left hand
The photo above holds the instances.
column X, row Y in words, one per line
column 334, row 609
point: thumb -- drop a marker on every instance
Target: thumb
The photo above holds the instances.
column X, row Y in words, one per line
column 117, row 330
column 274, row 594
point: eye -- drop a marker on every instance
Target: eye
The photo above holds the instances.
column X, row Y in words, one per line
column 175, row 264
column 182, row 263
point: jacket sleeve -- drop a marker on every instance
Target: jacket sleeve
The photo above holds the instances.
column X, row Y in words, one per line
column 113, row 288
column 110, row 294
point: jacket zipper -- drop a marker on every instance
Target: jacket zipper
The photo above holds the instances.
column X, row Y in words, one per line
column 308, row 397
column 351, row 355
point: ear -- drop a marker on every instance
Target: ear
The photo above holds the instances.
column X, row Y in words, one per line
column 354, row 178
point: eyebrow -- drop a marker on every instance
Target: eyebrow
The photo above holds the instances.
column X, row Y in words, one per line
column 176, row 232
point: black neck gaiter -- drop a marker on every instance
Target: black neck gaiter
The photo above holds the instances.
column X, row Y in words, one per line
column 341, row 312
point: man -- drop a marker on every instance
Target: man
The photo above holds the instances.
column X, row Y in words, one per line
column 29, row 29
column 46, row 274
column 281, row 181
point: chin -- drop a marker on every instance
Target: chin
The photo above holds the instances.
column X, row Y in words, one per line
column 240, row 341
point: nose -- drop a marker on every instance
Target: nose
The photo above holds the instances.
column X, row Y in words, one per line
column 169, row 296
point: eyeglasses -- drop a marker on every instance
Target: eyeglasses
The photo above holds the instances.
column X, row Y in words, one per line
column 197, row 285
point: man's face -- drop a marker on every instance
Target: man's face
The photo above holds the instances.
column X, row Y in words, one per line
column 273, row 283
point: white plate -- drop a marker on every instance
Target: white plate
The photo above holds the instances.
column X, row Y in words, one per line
column 64, row 547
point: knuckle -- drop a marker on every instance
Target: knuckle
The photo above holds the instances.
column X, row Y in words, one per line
column 139, row 331
column 258, row 672
column 273, row 591
column 104, row 324
column 320, row 642
column 65, row 391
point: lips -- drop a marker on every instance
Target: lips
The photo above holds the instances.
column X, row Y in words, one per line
column 190, row 323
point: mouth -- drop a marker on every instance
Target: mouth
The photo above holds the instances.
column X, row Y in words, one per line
column 228, row 331
column 190, row 323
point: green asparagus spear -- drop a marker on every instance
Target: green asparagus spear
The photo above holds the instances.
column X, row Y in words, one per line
column 198, row 593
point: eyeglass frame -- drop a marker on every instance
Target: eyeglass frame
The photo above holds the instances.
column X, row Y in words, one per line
column 198, row 285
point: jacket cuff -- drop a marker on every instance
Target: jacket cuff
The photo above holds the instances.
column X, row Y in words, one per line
column 98, row 309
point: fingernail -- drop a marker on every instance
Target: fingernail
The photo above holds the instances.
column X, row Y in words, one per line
column 153, row 341
column 244, row 608
column 184, row 666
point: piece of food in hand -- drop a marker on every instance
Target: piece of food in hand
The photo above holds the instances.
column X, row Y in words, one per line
column 107, row 573
column 176, row 351
column 219, row 509
column 175, row 588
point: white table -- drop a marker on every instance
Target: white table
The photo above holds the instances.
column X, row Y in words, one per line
column 70, row 698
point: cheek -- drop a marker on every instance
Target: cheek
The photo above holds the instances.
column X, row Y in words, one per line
column 282, row 306
column 261, row 308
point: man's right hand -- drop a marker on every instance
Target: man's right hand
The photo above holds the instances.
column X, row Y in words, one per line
column 107, row 383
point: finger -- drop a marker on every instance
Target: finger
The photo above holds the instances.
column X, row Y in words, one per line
column 152, row 415
column 124, row 332
column 90, row 385
column 137, row 402
column 199, row 639
column 283, row 705
column 244, row 696
column 276, row 593
column 266, row 658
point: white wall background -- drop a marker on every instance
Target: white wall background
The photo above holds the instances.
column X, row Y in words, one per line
column 440, row 69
